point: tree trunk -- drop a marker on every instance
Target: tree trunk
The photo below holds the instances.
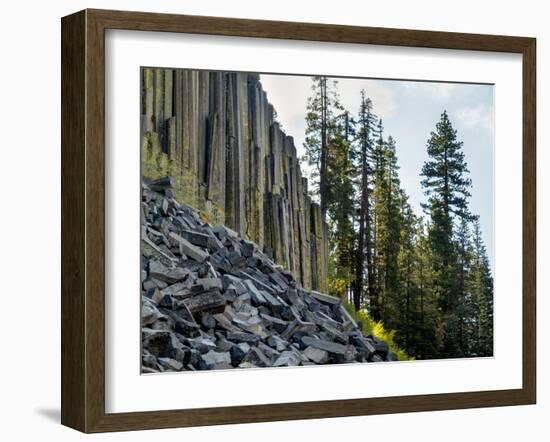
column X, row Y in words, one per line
column 407, row 313
column 324, row 149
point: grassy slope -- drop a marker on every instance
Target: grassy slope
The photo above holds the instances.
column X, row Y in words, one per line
column 376, row 329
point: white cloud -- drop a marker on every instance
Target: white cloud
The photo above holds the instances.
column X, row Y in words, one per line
column 288, row 94
column 476, row 116
column 382, row 96
column 437, row 91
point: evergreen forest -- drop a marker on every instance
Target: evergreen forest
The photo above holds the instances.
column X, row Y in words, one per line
column 424, row 276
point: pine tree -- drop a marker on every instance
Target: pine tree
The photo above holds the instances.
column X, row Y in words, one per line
column 388, row 228
column 340, row 202
column 379, row 174
column 328, row 145
column 427, row 344
column 446, row 186
column 465, row 306
column 445, row 180
column 482, row 292
column 364, row 252
column 404, row 308
column 322, row 110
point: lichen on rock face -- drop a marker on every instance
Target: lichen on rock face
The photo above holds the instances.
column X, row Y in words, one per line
column 212, row 300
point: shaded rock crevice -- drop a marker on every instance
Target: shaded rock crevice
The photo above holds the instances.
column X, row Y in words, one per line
column 213, row 300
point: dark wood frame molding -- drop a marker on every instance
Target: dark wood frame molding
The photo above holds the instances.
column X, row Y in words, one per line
column 83, row 216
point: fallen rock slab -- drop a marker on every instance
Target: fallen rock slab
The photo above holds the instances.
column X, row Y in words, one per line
column 212, row 302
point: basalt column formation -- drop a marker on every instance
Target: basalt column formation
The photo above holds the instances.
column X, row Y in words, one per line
column 215, row 133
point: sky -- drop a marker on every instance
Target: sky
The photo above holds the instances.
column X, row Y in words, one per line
column 410, row 111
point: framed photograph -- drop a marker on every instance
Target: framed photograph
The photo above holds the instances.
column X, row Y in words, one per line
column 266, row 220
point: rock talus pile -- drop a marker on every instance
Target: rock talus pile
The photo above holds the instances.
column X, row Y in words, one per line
column 212, row 300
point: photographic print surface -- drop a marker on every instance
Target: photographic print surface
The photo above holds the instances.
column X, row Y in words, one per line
column 293, row 220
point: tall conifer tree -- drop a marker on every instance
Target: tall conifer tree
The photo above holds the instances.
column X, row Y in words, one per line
column 364, row 252
column 323, row 108
column 447, row 186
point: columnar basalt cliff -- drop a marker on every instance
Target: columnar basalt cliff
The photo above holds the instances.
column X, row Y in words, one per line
column 216, row 134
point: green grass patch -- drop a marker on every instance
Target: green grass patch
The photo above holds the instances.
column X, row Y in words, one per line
column 376, row 329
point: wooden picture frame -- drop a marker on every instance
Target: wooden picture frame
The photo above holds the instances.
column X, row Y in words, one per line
column 83, row 219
